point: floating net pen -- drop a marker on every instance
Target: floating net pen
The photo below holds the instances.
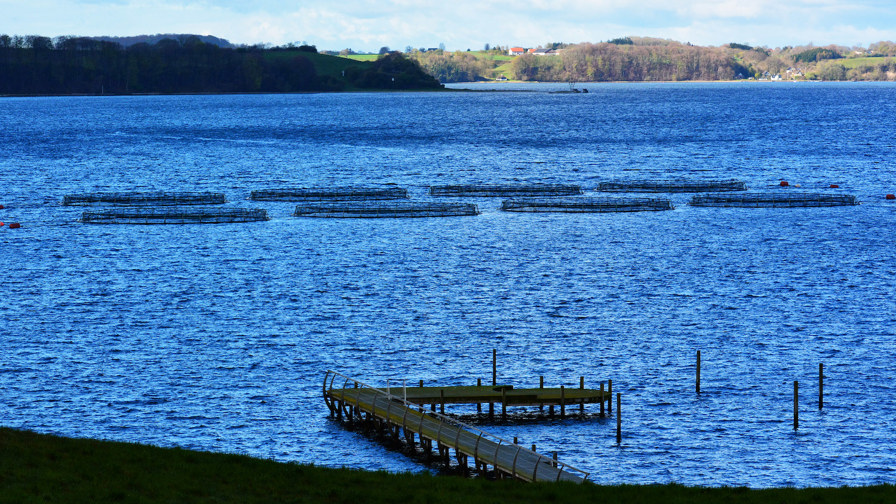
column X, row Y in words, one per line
column 144, row 198
column 587, row 205
column 672, row 186
column 385, row 209
column 773, row 200
column 174, row 216
column 505, row 191
column 330, row 194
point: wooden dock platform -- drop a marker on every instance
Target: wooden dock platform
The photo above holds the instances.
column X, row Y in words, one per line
column 389, row 411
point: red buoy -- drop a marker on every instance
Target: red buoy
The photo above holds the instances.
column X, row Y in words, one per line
column 835, row 186
column 2, row 207
column 784, row 183
column 15, row 225
column 1, row 224
column 891, row 196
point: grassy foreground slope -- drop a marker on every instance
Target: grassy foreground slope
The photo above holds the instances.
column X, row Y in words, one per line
column 44, row 468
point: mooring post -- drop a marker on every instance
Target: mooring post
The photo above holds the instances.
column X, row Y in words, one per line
column 494, row 367
column 478, row 404
column 503, row 402
column 533, row 447
column 601, row 399
column 796, row 405
column 820, row 386
column 554, row 457
column 698, row 371
column 610, row 399
column 582, row 387
column 562, row 401
column 618, row 418
column 541, row 386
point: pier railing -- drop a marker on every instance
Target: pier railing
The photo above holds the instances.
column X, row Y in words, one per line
column 470, row 441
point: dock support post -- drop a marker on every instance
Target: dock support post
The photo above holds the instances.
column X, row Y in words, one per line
column 618, row 418
column 478, row 404
column 554, row 457
column 820, row 386
column 796, row 405
column 562, row 401
column 601, row 399
column 494, row 367
column 610, row 400
column 698, row 371
column 503, row 403
column 442, row 401
column 582, row 387
column 541, row 386
column 533, row 447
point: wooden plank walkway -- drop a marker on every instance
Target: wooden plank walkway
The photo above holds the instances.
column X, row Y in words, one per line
column 353, row 400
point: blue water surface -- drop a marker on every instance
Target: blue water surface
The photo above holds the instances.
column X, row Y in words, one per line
column 217, row 337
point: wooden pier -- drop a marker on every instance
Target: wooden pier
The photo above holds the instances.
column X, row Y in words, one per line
column 400, row 412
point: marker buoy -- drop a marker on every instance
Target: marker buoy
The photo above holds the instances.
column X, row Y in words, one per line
column 2, row 207
column 15, row 225
column 891, row 196
column 784, row 183
column 835, row 186
column 1, row 224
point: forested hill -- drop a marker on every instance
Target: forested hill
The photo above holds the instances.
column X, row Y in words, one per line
column 72, row 65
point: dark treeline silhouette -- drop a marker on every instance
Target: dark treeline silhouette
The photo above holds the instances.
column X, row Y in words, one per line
column 77, row 65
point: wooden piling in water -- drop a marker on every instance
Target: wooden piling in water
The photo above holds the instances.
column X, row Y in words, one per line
column 541, row 386
column 610, row 400
column 601, row 399
column 494, row 367
column 562, row 401
column 503, row 403
column 582, row 387
column 820, row 386
column 796, row 405
column 479, row 404
column 618, row 418
column 698, row 371
column 442, row 401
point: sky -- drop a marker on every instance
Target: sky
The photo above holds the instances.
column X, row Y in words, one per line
column 366, row 25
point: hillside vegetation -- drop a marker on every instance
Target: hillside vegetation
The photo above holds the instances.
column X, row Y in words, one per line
column 639, row 59
column 71, row 65
column 43, row 468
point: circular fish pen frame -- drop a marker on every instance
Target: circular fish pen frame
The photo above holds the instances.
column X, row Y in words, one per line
column 175, row 216
column 144, row 199
column 773, row 200
column 587, row 205
column 505, row 191
column 330, row 194
column 385, row 209
column 672, row 186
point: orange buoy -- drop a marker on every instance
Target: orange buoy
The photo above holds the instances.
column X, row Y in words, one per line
column 15, row 225
column 784, row 183
column 891, row 196
column 835, row 186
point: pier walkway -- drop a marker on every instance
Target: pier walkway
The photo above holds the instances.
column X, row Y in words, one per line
column 353, row 401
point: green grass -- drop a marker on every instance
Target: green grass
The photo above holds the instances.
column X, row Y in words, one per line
column 851, row 63
column 361, row 57
column 43, row 468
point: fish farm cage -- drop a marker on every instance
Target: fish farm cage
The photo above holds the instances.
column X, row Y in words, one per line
column 587, row 205
column 192, row 215
column 330, row 194
column 773, row 200
column 672, row 186
column 144, row 198
column 385, row 209
column 505, row 191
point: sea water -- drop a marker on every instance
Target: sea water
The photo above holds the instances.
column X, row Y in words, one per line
column 217, row 337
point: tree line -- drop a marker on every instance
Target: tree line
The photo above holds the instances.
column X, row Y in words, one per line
column 78, row 65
